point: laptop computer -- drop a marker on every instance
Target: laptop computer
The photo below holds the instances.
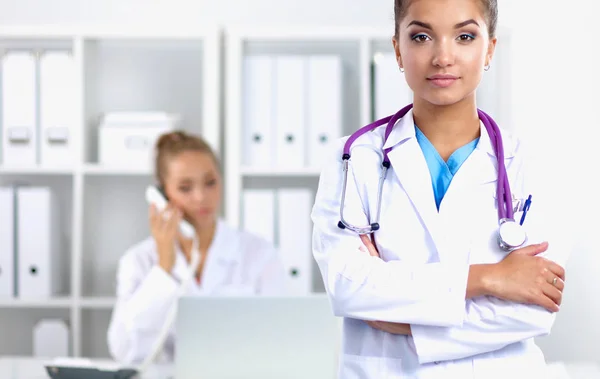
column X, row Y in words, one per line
column 256, row 338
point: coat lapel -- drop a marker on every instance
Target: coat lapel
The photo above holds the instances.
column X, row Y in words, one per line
column 222, row 260
column 410, row 167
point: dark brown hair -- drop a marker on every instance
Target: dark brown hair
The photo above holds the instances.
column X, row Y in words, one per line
column 490, row 9
column 171, row 144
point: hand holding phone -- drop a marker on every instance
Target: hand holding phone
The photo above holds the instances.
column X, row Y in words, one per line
column 165, row 222
column 156, row 196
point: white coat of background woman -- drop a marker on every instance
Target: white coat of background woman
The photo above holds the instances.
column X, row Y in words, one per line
column 432, row 295
column 149, row 273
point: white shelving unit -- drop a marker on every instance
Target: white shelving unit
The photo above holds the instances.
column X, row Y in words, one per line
column 102, row 209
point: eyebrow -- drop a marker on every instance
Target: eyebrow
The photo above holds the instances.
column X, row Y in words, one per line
column 457, row 26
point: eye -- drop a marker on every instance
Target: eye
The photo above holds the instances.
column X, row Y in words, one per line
column 184, row 189
column 211, row 183
column 466, row 37
column 419, row 37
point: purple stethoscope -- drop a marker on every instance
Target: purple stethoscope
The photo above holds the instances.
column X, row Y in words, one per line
column 511, row 234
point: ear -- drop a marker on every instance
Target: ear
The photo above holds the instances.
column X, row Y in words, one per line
column 396, row 45
column 490, row 52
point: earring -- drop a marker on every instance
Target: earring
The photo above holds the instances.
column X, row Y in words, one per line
column 401, row 69
column 486, row 68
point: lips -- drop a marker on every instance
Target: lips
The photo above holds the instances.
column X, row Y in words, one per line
column 442, row 80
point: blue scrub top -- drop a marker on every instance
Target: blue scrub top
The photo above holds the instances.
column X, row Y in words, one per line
column 443, row 172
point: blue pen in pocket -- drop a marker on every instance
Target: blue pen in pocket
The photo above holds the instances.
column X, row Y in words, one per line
column 525, row 209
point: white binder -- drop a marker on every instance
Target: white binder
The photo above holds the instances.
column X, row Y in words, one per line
column 7, row 247
column 19, row 136
column 258, row 213
column 39, row 266
column 51, row 339
column 258, row 140
column 324, row 97
column 294, row 230
column 290, row 111
column 58, row 108
column 391, row 92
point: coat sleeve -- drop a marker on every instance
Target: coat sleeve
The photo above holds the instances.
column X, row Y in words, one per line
column 490, row 323
column 144, row 298
column 367, row 288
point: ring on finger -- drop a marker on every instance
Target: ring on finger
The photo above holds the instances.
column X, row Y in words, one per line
column 554, row 281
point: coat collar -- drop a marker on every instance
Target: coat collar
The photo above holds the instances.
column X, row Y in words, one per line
column 405, row 130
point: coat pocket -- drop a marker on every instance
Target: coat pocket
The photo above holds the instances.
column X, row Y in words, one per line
column 362, row 367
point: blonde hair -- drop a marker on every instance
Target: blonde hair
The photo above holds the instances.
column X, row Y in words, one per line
column 171, row 144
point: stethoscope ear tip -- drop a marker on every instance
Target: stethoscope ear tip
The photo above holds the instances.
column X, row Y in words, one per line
column 341, row 225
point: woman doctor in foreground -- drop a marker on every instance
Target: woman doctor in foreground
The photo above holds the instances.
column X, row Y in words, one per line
column 433, row 294
column 149, row 273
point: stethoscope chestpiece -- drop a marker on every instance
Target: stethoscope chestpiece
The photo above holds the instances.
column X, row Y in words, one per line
column 511, row 235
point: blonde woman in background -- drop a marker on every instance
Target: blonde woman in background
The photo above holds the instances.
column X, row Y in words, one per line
column 232, row 261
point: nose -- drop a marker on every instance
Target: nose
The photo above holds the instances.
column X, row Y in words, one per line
column 443, row 53
column 198, row 195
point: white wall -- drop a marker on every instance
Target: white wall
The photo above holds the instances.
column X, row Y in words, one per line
column 555, row 96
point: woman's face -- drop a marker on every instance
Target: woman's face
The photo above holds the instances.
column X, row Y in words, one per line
column 443, row 46
column 193, row 184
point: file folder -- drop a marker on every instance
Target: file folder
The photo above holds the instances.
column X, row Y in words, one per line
column 294, row 231
column 390, row 90
column 258, row 140
column 39, row 267
column 58, row 108
column 258, row 213
column 7, row 246
column 324, row 106
column 19, row 136
column 290, row 111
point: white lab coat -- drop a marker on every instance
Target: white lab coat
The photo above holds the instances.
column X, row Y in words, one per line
column 425, row 255
column 238, row 263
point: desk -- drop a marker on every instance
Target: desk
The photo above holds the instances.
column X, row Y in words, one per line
column 33, row 368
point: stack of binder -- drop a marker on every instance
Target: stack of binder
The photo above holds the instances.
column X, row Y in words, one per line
column 31, row 262
column 292, row 110
column 39, row 108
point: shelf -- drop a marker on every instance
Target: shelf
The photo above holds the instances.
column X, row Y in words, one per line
column 98, row 302
column 280, row 172
column 57, row 302
column 95, row 169
column 36, row 170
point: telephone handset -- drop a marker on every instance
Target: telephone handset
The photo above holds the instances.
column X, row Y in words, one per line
column 155, row 195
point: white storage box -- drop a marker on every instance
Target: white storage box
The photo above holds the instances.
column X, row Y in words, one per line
column 128, row 139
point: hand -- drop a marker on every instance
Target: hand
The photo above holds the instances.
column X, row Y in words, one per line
column 525, row 278
column 391, row 327
column 165, row 227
